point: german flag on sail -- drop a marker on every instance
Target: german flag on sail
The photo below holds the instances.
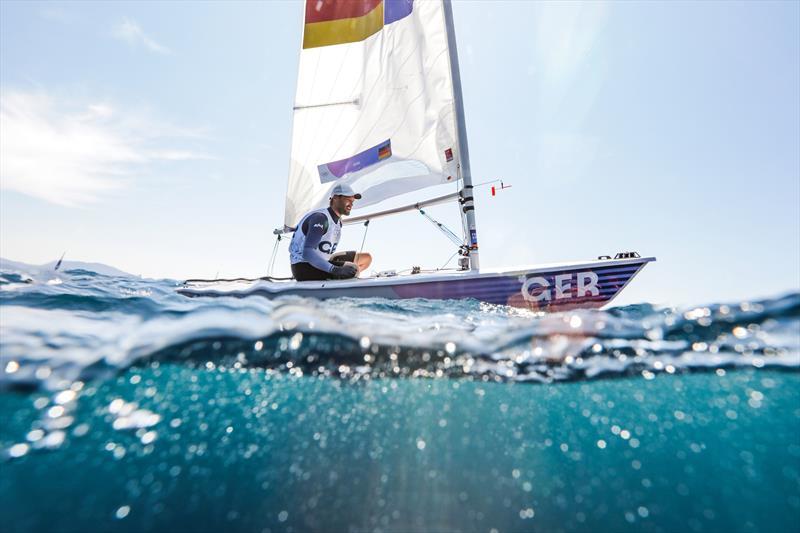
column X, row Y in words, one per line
column 385, row 150
column 331, row 22
column 341, row 21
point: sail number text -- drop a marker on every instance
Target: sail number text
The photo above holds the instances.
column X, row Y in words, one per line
column 539, row 289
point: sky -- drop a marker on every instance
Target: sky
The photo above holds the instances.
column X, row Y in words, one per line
column 154, row 137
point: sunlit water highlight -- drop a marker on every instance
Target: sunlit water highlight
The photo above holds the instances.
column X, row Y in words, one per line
column 130, row 407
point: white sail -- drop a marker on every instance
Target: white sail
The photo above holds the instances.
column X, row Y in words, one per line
column 374, row 106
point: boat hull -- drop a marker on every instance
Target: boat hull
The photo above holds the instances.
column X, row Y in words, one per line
column 544, row 288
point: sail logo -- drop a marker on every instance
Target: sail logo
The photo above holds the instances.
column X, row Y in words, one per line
column 369, row 157
column 327, row 247
column 539, row 289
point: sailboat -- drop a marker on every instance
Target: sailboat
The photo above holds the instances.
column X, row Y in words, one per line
column 378, row 107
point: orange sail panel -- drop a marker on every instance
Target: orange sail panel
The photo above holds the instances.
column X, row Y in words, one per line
column 330, row 22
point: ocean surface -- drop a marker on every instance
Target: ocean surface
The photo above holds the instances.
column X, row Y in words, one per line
column 128, row 407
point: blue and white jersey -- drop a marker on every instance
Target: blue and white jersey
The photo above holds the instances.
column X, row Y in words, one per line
column 315, row 239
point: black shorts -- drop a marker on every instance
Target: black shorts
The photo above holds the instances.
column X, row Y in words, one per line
column 306, row 272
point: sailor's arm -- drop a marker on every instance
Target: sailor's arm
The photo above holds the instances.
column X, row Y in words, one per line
column 311, row 253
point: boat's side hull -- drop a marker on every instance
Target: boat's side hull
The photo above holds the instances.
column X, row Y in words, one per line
column 555, row 288
column 550, row 291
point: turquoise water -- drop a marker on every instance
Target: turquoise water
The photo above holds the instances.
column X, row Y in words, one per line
column 127, row 407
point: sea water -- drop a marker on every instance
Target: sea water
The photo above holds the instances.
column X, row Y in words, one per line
column 128, row 407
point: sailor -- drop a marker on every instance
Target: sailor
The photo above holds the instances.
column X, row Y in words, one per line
column 313, row 247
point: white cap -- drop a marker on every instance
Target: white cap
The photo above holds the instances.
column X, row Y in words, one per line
column 344, row 190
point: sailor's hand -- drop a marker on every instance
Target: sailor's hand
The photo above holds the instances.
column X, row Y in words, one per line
column 346, row 271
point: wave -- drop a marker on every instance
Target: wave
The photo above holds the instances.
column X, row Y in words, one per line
column 61, row 327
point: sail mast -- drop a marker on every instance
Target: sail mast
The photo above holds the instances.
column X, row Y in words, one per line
column 468, row 207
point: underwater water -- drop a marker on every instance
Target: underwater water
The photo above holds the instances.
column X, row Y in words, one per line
column 128, row 407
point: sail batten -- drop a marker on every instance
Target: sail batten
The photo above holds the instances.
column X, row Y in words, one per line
column 374, row 106
column 326, row 104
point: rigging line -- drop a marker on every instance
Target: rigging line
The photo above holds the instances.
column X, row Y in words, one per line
column 274, row 255
column 486, row 183
column 445, row 263
column 366, row 229
column 444, row 229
